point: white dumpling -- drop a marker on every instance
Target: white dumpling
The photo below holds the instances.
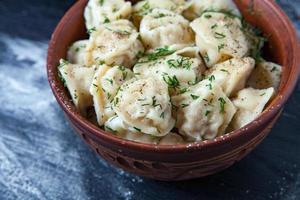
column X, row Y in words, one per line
column 145, row 105
column 179, row 69
column 204, row 111
column 265, row 75
column 104, row 88
column 98, row 12
column 118, row 127
column 115, row 125
column 171, row 139
column 114, row 43
column 165, row 28
column 77, row 52
column 232, row 74
column 145, row 7
column 197, row 7
column 249, row 103
column 78, row 79
column 220, row 37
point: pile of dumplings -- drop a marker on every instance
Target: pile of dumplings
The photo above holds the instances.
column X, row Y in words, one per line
column 168, row 71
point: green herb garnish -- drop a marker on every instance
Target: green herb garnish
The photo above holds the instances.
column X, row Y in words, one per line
column 91, row 30
column 158, row 53
column 181, row 62
column 137, row 129
column 171, row 81
column 194, row 97
column 222, row 104
column 219, row 35
column 101, row 2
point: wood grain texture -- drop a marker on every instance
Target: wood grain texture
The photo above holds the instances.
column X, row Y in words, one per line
column 40, row 158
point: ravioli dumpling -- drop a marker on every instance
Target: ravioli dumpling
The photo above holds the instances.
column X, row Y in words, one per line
column 197, row 7
column 265, row 75
column 178, row 70
column 232, row 74
column 118, row 127
column 171, row 139
column 77, row 52
column 165, row 28
column 145, row 7
column 98, row 12
column 249, row 103
column 114, row 43
column 203, row 112
column 220, row 37
column 105, row 85
column 78, row 79
column 145, row 105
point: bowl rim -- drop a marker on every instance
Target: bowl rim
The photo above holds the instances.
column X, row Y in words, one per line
column 266, row 116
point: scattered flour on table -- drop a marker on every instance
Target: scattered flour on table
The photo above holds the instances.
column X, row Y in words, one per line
column 40, row 157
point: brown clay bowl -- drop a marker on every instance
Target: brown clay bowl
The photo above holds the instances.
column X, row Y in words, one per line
column 179, row 162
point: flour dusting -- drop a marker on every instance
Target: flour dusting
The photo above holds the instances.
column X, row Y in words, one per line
column 36, row 143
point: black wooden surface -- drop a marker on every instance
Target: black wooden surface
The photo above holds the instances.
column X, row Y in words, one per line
column 41, row 158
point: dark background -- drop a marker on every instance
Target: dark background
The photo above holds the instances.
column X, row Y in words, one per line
column 41, row 157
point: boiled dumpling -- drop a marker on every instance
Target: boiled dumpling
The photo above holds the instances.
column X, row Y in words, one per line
column 165, row 28
column 118, row 127
column 220, row 37
column 98, row 12
column 143, row 8
column 171, row 139
column 265, row 75
column 197, row 7
column 232, row 74
column 104, row 88
column 249, row 103
column 114, row 43
column 78, row 79
column 204, row 111
column 145, row 105
column 179, row 69
column 77, row 52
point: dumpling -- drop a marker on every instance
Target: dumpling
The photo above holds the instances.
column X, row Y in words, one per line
column 165, row 28
column 232, row 74
column 118, row 127
column 78, row 79
column 104, row 88
column 203, row 112
column 171, row 139
column 77, row 52
column 249, row 103
column 145, row 105
column 265, row 75
column 197, row 7
column 114, row 43
column 143, row 8
column 220, row 37
column 179, row 69
column 98, row 12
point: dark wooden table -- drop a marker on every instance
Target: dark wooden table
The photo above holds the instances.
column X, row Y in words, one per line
column 41, row 158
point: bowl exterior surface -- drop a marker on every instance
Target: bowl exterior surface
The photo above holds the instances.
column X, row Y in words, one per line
column 174, row 170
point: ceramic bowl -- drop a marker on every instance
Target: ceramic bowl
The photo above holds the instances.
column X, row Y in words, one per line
column 180, row 162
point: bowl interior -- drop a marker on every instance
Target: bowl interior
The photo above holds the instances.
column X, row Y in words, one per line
column 282, row 48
